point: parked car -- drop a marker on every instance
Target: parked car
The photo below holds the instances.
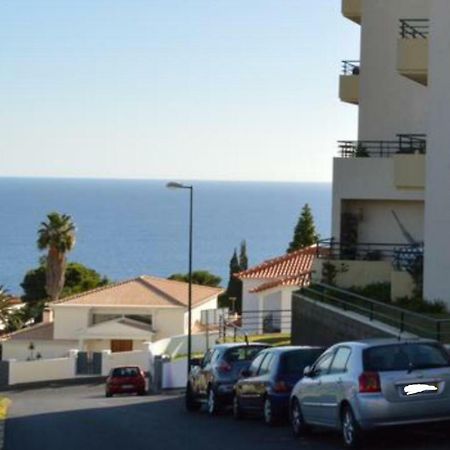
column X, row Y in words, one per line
column 365, row 385
column 126, row 379
column 212, row 381
column 265, row 387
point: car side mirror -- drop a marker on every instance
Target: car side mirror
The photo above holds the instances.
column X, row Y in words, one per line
column 245, row 373
column 196, row 361
column 308, row 371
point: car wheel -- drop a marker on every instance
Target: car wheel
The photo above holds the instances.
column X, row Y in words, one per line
column 141, row 393
column 238, row 414
column 190, row 402
column 299, row 426
column 269, row 418
column 212, row 402
column 108, row 394
column 351, row 432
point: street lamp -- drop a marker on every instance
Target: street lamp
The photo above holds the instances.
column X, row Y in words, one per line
column 175, row 185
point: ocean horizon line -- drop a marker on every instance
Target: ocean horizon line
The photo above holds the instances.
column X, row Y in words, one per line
column 195, row 180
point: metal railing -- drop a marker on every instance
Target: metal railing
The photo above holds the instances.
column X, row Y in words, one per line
column 414, row 28
column 251, row 323
column 400, row 255
column 405, row 144
column 350, row 67
column 401, row 319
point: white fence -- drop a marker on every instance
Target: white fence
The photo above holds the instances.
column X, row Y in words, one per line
column 139, row 358
column 41, row 370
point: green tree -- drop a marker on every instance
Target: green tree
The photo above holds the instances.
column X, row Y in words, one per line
column 243, row 259
column 305, row 231
column 78, row 279
column 57, row 236
column 202, row 277
column 234, row 287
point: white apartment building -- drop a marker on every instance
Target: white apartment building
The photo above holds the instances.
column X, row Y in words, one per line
column 391, row 187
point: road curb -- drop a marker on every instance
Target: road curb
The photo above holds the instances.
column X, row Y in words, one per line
column 4, row 406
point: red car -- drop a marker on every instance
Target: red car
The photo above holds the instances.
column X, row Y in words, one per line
column 125, row 379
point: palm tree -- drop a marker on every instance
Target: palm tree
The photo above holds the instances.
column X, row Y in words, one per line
column 57, row 235
column 5, row 306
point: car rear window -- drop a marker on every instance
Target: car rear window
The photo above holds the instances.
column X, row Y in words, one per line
column 405, row 356
column 125, row 372
column 244, row 353
column 294, row 362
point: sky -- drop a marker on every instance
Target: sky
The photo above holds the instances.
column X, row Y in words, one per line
column 173, row 89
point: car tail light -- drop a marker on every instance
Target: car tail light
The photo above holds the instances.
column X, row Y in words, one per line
column 369, row 382
column 224, row 367
column 281, row 386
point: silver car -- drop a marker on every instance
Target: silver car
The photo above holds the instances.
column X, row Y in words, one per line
column 359, row 386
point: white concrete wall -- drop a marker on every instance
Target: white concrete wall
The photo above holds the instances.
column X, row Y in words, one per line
column 139, row 358
column 168, row 322
column 378, row 224
column 41, row 370
column 368, row 179
column 437, row 211
column 18, row 349
column 177, row 345
column 251, row 302
column 69, row 321
column 196, row 312
column 174, row 374
column 389, row 103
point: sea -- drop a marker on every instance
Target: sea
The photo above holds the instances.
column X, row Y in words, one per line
column 126, row 228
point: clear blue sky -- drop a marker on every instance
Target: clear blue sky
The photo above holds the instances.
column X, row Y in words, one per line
column 185, row 89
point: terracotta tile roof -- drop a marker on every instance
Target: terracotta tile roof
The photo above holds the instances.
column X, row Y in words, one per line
column 295, row 280
column 289, row 265
column 144, row 291
column 40, row 331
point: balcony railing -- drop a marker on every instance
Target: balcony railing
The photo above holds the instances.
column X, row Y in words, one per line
column 405, row 144
column 350, row 67
column 401, row 255
column 414, row 28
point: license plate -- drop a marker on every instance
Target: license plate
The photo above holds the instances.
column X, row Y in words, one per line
column 127, row 386
column 420, row 388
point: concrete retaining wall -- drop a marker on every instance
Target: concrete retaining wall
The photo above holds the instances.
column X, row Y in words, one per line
column 317, row 324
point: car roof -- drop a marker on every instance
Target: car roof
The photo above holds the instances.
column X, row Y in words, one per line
column 240, row 344
column 291, row 348
column 374, row 342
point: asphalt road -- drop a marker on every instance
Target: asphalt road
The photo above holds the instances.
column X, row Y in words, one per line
column 80, row 417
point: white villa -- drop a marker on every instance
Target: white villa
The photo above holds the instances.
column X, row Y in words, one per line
column 267, row 290
column 118, row 317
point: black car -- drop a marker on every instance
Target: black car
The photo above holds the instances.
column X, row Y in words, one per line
column 212, row 381
column 265, row 387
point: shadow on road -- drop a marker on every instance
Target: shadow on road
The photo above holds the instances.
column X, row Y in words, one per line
column 161, row 423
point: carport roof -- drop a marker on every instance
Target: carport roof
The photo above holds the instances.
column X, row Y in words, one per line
column 41, row 331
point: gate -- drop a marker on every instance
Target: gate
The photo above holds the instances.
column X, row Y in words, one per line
column 89, row 363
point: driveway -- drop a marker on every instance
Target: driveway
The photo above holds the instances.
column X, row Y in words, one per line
column 79, row 417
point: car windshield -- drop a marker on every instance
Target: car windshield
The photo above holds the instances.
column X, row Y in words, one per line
column 405, row 356
column 125, row 372
column 294, row 362
column 244, row 353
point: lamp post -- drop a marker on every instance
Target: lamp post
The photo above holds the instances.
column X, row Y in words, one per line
column 175, row 185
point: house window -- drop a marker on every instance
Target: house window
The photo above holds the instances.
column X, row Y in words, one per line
column 143, row 318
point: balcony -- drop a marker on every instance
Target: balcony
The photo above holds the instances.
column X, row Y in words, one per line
column 406, row 144
column 412, row 49
column 349, row 82
column 400, row 164
column 351, row 9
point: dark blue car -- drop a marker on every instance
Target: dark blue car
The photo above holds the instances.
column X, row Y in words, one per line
column 265, row 387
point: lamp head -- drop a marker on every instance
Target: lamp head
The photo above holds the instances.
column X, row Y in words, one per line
column 177, row 185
